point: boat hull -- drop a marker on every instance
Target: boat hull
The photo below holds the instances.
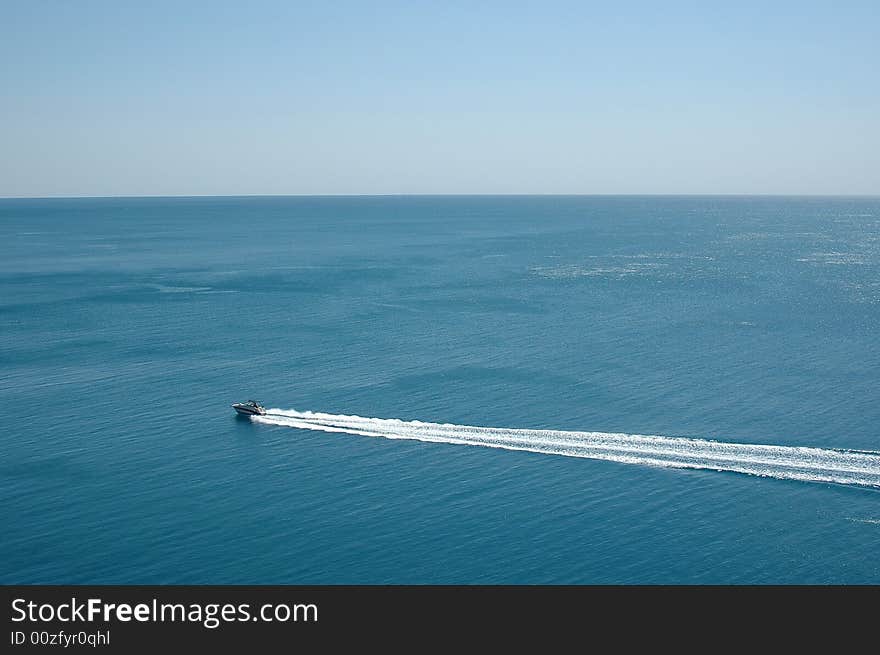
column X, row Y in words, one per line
column 247, row 411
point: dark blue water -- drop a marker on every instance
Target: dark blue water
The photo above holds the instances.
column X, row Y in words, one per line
column 128, row 326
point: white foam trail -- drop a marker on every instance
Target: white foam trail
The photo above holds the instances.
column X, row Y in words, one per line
column 785, row 462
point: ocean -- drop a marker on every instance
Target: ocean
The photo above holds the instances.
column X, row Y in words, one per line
column 462, row 389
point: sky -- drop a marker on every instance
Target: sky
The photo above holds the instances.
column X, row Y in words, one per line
column 434, row 97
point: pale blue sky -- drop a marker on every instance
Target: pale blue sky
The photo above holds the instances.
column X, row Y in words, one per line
column 192, row 98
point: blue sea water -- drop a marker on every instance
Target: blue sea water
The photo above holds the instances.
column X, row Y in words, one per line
column 129, row 325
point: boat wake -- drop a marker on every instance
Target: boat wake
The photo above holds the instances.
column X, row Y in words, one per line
column 784, row 462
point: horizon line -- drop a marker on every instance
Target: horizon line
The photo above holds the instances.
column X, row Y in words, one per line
column 446, row 195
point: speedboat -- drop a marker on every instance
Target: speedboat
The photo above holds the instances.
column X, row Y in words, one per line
column 249, row 408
